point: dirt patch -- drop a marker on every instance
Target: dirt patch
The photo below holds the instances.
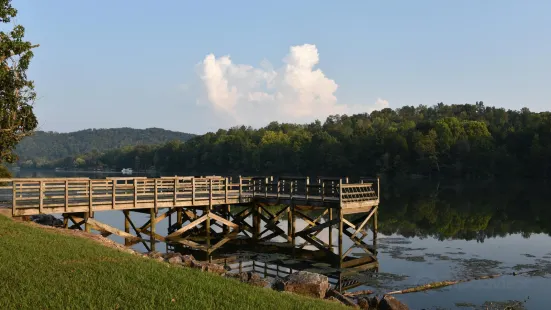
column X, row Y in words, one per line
column 82, row 234
column 5, row 212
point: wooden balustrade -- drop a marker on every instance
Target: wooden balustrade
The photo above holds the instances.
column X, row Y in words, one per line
column 58, row 195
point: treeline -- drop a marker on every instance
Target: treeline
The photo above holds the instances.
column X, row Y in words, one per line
column 42, row 149
column 446, row 140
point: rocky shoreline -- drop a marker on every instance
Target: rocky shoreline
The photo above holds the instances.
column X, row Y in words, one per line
column 301, row 282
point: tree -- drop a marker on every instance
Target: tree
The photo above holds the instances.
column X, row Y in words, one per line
column 17, row 94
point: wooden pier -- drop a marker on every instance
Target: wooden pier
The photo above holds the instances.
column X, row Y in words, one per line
column 203, row 209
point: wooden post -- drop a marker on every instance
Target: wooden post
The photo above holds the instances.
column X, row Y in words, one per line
column 341, row 217
column 179, row 220
column 278, row 188
column 292, row 188
column 14, row 198
column 210, row 194
column 65, row 221
column 126, row 224
column 41, row 197
column 152, row 215
column 226, row 180
column 340, row 237
column 375, row 228
column 208, row 213
column 331, row 230
column 322, row 190
column 135, row 192
column 193, row 191
column 293, row 227
column 266, row 187
column 114, row 194
column 87, row 226
column 175, row 190
column 240, row 187
column 66, row 196
column 289, row 222
column 307, row 187
column 256, row 221
column 155, row 196
column 90, row 211
column 227, row 217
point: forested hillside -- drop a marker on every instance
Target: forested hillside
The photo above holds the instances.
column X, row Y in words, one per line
column 44, row 147
column 446, row 140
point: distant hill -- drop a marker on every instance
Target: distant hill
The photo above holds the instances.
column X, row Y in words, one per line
column 48, row 146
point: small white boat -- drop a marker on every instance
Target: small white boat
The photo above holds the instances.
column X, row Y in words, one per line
column 126, row 171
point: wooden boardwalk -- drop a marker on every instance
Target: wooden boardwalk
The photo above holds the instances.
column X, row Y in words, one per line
column 73, row 195
column 204, row 204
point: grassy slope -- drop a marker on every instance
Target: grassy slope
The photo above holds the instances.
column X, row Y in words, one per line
column 44, row 270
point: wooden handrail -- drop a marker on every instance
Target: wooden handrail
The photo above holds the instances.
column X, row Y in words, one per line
column 72, row 195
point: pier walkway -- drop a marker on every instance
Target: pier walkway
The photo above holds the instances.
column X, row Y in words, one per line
column 203, row 206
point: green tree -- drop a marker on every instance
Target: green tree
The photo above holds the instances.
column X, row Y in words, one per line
column 17, row 94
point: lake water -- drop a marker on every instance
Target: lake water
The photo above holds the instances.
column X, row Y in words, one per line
column 440, row 231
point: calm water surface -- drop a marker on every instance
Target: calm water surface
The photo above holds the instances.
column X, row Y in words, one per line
column 440, row 231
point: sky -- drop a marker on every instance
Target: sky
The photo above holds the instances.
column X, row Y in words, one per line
column 197, row 66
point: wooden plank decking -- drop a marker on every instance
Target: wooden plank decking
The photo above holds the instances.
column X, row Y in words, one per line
column 68, row 195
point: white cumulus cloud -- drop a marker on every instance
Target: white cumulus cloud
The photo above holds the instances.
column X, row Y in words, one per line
column 296, row 92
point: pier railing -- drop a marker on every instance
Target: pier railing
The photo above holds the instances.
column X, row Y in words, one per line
column 28, row 196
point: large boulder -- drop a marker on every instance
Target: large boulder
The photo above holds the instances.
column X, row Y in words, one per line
column 304, row 283
column 390, row 303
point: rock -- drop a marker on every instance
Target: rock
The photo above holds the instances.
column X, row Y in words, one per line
column 175, row 260
column 155, row 254
column 304, row 283
column 343, row 299
column 187, row 260
column 209, row 267
column 363, row 303
column 160, row 259
column 47, row 220
column 250, row 278
column 168, row 256
column 373, row 302
column 391, row 303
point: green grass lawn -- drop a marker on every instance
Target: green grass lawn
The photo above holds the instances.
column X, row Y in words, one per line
column 41, row 269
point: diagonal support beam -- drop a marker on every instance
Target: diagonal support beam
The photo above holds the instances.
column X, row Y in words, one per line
column 188, row 226
column 110, row 229
column 317, row 228
column 223, row 220
column 360, row 228
column 158, row 219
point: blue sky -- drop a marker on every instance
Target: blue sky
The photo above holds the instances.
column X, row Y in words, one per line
column 105, row 64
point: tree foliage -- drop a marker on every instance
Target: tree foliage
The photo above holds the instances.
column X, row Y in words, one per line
column 43, row 147
column 443, row 140
column 17, row 94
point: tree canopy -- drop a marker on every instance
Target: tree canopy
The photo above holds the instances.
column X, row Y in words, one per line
column 44, row 147
column 17, row 94
column 448, row 140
